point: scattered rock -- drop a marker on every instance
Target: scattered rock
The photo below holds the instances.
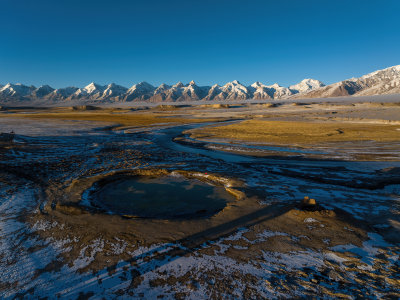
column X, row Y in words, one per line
column 333, row 275
column 70, row 209
column 308, row 203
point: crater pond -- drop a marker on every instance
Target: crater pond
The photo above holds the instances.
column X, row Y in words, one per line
column 165, row 197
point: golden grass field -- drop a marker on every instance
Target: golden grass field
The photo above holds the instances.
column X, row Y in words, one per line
column 300, row 133
column 117, row 117
column 313, row 128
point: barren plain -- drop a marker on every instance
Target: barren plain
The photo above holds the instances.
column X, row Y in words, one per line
column 245, row 233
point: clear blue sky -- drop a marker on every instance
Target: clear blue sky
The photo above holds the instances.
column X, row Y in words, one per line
column 65, row 43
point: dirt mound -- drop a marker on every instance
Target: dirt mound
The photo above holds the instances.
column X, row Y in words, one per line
column 84, row 107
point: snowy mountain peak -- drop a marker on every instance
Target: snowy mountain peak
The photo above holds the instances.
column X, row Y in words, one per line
column 178, row 85
column 142, row 86
column 163, row 86
column 65, row 92
column 306, row 85
column 257, row 84
column 16, row 90
column 393, row 68
column 42, row 91
column 381, row 74
column 15, row 86
column 275, row 86
column 145, row 84
column 139, row 91
column 311, row 81
column 385, row 81
column 91, row 91
column 397, row 68
column 380, row 82
column 111, row 85
column 235, row 90
column 114, row 90
column 4, row 87
column 91, row 87
column 46, row 86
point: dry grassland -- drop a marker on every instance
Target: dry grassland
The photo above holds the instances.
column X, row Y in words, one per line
column 301, row 133
column 121, row 119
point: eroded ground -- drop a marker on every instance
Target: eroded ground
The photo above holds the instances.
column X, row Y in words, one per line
column 261, row 244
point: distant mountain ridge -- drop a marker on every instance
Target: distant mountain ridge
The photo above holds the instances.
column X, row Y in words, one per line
column 381, row 82
column 144, row 91
column 386, row 81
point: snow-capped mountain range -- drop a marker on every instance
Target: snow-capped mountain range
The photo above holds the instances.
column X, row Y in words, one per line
column 381, row 82
column 386, row 81
column 144, row 91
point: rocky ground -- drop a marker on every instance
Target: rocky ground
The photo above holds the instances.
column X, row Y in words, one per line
column 263, row 245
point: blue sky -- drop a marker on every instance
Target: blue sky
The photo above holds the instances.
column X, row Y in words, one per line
column 65, row 43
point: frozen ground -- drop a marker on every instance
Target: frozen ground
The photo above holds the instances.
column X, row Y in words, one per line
column 348, row 249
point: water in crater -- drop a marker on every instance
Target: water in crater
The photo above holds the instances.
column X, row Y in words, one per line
column 165, row 197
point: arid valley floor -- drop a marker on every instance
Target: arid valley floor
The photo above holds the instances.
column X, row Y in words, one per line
column 225, row 183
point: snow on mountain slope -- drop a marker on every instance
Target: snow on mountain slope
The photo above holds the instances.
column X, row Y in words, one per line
column 213, row 92
column 16, row 90
column 162, row 88
column 386, row 81
column 160, row 93
column 306, row 85
column 338, row 89
column 91, row 91
column 140, row 91
column 382, row 88
column 114, row 91
column 179, row 92
column 42, row 91
column 235, row 90
column 167, row 93
column 279, row 92
column 61, row 94
column 193, row 92
column 260, row 91
column 382, row 75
